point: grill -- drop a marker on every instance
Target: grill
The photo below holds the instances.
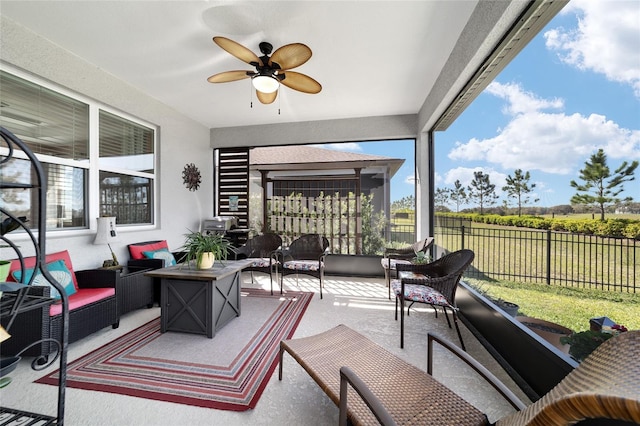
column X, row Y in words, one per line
column 227, row 226
column 219, row 224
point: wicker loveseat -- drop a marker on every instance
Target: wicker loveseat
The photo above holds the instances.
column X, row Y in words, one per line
column 92, row 306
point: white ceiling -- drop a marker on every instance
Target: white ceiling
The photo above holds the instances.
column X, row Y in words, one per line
column 372, row 58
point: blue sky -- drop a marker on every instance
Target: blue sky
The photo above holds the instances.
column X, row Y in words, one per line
column 574, row 89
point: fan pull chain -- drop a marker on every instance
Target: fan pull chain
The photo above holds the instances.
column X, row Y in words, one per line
column 279, row 102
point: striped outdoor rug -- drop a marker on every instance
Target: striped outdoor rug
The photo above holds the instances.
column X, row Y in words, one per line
column 228, row 372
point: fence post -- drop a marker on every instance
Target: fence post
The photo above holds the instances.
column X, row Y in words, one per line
column 462, row 237
column 548, row 256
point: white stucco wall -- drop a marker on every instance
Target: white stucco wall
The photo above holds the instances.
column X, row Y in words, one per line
column 181, row 141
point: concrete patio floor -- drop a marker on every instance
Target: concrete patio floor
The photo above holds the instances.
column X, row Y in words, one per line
column 360, row 303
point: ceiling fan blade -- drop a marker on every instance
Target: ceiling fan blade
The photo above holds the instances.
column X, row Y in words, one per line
column 266, row 98
column 291, row 56
column 300, row 82
column 224, row 77
column 237, row 50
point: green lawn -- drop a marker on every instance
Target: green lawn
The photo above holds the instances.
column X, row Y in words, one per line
column 570, row 307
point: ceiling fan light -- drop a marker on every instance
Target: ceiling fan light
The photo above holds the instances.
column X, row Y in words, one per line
column 265, row 83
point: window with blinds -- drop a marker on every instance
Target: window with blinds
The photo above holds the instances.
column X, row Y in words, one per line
column 126, row 160
column 48, row 122
column 56, row 126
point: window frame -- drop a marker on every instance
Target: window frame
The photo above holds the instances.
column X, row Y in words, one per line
column 92, row 164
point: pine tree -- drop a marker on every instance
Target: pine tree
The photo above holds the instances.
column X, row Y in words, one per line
column 458, row 195
column 441, row 199
column 600, row 187
column 482, row 190
column 405, row 203
column 518, row 187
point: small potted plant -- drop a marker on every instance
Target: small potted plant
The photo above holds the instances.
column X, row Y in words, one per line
column 204, row 249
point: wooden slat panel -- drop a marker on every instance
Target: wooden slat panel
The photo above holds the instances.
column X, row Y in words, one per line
column 232, row 180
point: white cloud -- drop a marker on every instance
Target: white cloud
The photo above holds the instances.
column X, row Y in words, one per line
column 410, row 179
column 606, row 41
column 521, row 101
column 553, row 143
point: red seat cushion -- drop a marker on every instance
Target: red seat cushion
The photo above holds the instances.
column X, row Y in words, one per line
column 83, row 297
column 136, row 250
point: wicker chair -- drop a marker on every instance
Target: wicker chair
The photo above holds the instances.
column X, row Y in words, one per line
column 305, row 256
column 393, row 256
column 603, row 390
column 434, row 283
column 262, row 249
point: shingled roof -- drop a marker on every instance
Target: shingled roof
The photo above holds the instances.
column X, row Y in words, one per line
column 301, row 157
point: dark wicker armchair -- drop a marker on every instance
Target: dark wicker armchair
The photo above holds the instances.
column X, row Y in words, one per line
column 434, row 283
column 393, row 256
column 138, row 262
column 305, row 256
column 262, row 249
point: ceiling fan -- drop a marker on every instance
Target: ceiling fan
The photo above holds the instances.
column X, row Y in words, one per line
column 271, row 71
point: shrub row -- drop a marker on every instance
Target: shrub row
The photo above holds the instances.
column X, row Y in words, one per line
column 621, row 228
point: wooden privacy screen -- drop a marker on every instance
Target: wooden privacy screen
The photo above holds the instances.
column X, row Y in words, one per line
column 232, row 184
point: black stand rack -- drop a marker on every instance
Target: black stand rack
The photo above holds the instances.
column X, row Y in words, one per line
column 15, row 296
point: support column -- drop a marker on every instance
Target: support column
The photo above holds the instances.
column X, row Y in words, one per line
column 265, row 214
column 425, row 175
column 387, row 204
column 358, row 242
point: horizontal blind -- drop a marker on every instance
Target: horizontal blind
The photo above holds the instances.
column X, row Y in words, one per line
column 48, row 122
column 125, row 140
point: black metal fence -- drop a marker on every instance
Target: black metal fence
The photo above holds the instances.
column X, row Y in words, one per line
column 545, row 256
column 402, row 228
column 402, row 234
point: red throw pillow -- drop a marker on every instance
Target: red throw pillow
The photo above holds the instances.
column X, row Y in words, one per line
column 136, row 250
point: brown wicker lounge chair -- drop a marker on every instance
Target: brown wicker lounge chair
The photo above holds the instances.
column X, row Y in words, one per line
column 305, row 256
column 392, row 256
column 385, row 389
column 434, row 283
column 262, row 250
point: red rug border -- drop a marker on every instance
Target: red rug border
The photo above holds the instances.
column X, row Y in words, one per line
column 227, row 406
